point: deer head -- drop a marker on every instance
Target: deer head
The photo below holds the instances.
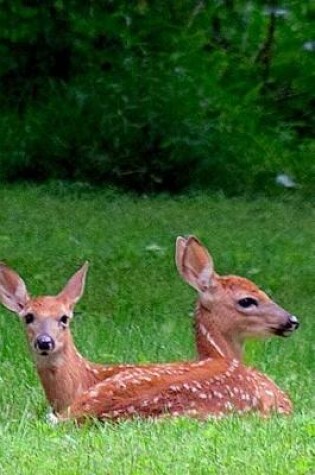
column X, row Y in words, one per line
column 47, row 318
column 235, row 306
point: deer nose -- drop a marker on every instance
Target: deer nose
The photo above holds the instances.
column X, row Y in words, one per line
column 289, row 327
column 294, row 322
column 44, row 343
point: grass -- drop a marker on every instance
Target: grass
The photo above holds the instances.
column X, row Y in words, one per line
column 136, row 308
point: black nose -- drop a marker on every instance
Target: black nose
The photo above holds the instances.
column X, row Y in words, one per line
column 293, row 321
column 289, row 327
column 44, row 343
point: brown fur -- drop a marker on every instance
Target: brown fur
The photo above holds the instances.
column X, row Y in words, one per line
column 218, row 384
column 208, row 388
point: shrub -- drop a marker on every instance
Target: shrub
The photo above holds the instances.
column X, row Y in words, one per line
column 159, row 96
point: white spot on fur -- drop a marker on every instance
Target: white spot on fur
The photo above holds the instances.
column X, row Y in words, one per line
column 175, row 388
column 255, row 401
column 191, row 412
column 94, row 393
column 269, row 393
column 202, row 396
column 210, row 340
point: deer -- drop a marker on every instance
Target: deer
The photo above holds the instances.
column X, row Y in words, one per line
column 64, row 373
column 229, row 310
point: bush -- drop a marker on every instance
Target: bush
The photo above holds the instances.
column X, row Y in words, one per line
column 159, row 96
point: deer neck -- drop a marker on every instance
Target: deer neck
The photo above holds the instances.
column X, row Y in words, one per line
column 211, row 342
column 65, row 375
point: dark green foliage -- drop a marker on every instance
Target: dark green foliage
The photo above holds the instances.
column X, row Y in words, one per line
column 157, row 95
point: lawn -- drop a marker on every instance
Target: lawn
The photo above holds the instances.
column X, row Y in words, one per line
column 136, row 308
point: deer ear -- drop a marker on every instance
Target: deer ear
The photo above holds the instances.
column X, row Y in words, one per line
column 181, row 243
column 195, row 263
column 74, row 288
column 13, row 293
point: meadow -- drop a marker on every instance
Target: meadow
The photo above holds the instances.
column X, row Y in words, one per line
column 137, row 309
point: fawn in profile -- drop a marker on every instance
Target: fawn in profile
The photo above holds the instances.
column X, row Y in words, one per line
column 229, row 309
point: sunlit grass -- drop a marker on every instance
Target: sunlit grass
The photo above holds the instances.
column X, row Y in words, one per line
column 136, row 308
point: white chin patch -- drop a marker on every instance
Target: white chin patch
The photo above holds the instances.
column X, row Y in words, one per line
column 287, row 333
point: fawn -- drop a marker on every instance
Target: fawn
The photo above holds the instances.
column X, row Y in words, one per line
column 229, row 309
column 63, row 372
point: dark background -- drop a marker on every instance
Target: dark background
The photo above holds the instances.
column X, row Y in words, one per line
column 158, row 95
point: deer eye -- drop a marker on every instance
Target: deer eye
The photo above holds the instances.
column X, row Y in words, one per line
column 29, row 318
column 247, row 302
column 64, row 320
